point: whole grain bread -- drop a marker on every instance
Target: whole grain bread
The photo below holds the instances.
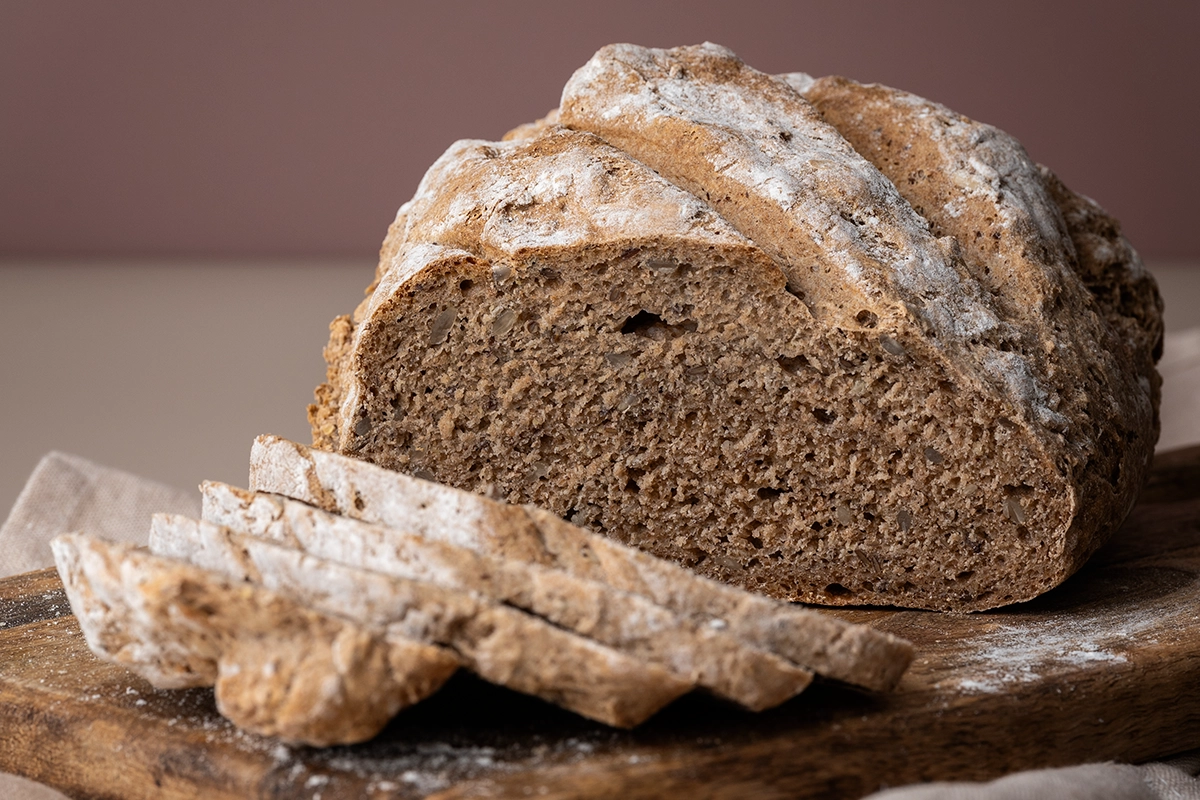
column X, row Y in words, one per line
column 832, row 343
column 279, row 667
column 498, row 643
column 418, row 510
column 691, row 649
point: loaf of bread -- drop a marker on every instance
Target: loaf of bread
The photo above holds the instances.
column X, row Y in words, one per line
column 695, row 652
column 499, row 643
column 830, row 342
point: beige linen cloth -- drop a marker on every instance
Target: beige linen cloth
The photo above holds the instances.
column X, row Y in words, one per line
column 70, row 493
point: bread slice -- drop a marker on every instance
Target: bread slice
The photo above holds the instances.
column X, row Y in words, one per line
column 693, row 317
column 500, row 644
column 279, row 668
column 631, row 623
column 359, row 490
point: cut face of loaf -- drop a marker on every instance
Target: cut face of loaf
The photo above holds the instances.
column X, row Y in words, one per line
column 697, row 318
column 498, row 643
column 429, row 526
column 279, row 668
column 694, row 651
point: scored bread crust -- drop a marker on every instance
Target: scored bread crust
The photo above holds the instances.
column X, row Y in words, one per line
column 704, row 316
column 977, row 183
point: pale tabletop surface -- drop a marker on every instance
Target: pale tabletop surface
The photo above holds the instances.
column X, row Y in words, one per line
column 169, row 370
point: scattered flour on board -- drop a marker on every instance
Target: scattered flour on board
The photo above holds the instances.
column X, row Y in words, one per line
column 1015, row 654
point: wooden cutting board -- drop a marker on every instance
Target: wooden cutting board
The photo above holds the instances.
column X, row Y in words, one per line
column 1105, row 667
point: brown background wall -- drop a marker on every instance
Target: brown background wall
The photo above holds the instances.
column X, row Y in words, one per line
column 296, row 128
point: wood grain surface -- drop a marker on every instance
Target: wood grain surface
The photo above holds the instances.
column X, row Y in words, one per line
column 1105, row 667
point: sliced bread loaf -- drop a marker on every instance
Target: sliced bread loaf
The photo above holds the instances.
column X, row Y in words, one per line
column 359, row 490
column 500, row 644
column 697, row 652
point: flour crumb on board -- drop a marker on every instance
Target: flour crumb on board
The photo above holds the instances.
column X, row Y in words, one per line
column 1015, row 654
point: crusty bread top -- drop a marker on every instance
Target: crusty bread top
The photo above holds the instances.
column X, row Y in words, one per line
column 561, row 191
column 765, row 159
column 1023, row 235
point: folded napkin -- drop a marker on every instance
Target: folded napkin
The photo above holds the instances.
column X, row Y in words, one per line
column 69, row 493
